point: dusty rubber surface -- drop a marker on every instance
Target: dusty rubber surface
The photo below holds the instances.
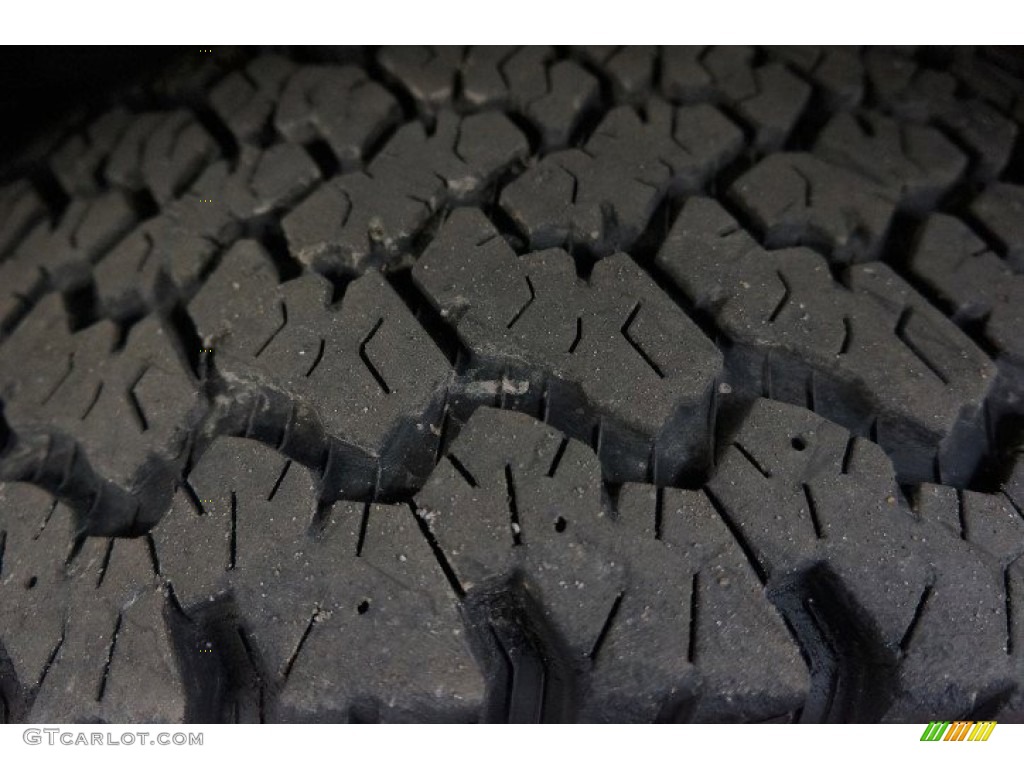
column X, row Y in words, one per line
column 521, row 385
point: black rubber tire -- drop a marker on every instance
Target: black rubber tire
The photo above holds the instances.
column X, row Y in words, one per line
column 526, row 384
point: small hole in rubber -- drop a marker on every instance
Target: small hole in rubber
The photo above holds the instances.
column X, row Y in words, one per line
column 798, row 443
column 363, row 607
column 31, row 583
column 560, row 524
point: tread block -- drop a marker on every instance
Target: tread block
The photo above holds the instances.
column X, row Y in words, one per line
column 262, row 182
column 83, row 627
column 347, row 612
column 993, row 524
column 363, row 220
column 920, row 580
column 20, row 209
column 190, row 79
column 550, row 567
column 795, row 198
column 805, row 339
column 161, row 152
column 986, row 77
column 1014, row 487
column 37, row 535
column 552, row 95
column 977, row 285
column 1000, row 210
column 916, row 163
column 504, row 77
column 165, row 258
column 769, row 97
column 361, row 375
column 340, row 105
column 151, row 269
column 630, row 68
column 65, row 252
column 602, row 196
column 613, row 338
column 22, row 279
column 79, row 161
column 838, row 71
column 246, row 99
column 127, row 410
column 927, row 95
column 117, row 662
column 427, row 72
column 60, row 255
column 527, row 505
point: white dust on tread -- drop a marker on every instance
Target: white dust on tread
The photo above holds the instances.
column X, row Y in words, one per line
column 503, row 386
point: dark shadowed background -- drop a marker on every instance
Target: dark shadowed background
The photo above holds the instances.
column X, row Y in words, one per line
column 40, row 83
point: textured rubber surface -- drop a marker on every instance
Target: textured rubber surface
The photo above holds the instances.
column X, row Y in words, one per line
column 798, row 335
column 596, row 384
column 601, row 195
column 548, row 340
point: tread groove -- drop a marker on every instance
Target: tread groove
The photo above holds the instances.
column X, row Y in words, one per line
column 106, row 563
column 734, row 530
column 136, row 405
column 751, row 460
column 442, row 560
column 192, row 497
column 659, row 512
column 636, row 345
column 92, row 401
column 233, row 541
column 154, row 556
column 283, row 308
column 65, row 375
column 459, row 467
column 691, row 645
column 784, row 300
column 513, row 506
column 526, row 306
column 851, row 443
column 369, row 363
column 606, row 627
column 1008, row 594
column 302, row 641
column 364, row 521
column 812, row 510
column 319, row 357
column 46, row 520
column 579, row 336
column 901, row 334
column 110, row 657
column 52, row 658
column 922, row 602
column 844, row 346
column 557, row 459
column 279, row 480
